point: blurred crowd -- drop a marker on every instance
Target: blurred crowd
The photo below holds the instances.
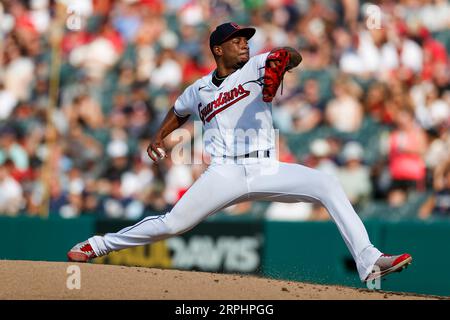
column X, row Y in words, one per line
column 370, row 102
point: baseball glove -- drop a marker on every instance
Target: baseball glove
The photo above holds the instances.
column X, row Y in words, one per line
column 275, row 68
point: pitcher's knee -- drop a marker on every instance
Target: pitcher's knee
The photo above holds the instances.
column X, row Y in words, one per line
column 327, row 187
column 327, row 182
column 174, row 227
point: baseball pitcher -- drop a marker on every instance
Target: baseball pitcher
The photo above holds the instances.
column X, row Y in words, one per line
column 233, row 99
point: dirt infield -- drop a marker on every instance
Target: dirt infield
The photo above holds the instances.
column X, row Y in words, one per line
column 48, row 280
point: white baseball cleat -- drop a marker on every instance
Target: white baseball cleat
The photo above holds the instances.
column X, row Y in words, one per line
column 81, row 252
column 387, row 264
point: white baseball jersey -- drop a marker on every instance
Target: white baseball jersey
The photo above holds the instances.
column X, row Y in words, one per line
column 235, row 119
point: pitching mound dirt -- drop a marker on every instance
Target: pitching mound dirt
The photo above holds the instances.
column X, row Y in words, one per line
column 49, row 280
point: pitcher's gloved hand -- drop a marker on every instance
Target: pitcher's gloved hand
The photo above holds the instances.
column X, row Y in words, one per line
column 277, row 63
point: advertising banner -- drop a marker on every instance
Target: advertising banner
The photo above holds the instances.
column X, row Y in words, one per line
column 228, row 247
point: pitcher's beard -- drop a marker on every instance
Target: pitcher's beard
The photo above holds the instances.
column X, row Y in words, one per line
column 240, row 64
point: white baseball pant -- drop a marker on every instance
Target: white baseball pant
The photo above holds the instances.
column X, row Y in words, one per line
column 229, row 181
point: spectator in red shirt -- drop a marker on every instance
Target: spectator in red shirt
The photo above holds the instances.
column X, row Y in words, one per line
column 434, row 53
column 407, row 145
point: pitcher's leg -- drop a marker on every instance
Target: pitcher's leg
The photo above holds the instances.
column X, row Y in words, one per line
column 293, row 181
column 218, row 186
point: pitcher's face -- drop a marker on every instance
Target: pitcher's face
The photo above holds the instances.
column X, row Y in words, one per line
column 235, row 52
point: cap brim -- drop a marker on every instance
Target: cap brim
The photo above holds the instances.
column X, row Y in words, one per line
column 245, row 32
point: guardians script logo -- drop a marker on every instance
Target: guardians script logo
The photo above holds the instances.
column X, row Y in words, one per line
column 224, row 101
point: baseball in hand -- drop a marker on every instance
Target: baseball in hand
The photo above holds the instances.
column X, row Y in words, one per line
column 163, row 153
column 161, row 150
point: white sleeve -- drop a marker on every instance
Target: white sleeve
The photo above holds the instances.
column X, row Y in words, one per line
column 185, row 103
column 258, row 63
